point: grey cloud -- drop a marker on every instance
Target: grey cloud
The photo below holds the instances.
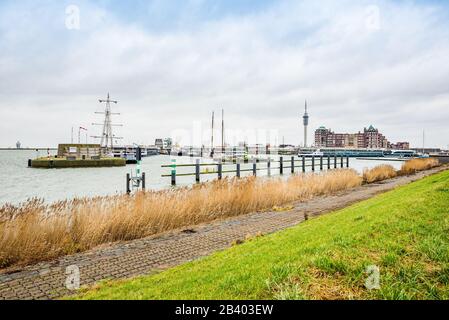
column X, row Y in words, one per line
column 259, row 67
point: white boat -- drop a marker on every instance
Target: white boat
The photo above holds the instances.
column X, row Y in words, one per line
column 402, row 154
column 316, row 153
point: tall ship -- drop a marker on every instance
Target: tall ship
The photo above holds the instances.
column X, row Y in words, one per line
column 109, row 140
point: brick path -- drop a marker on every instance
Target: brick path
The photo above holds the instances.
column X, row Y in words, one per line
column 139, row 257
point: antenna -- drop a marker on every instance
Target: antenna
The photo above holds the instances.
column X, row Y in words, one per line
column 423, row 141
column 306, row 124
column 222, row 132
column 107, row 138
column 212, row 140
column 79, row 134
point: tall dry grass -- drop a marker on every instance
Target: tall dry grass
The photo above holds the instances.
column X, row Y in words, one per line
column 379, row 173
column 415, row 165
column 35, row 231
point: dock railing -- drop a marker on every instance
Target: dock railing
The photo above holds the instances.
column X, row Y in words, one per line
column 281, row 166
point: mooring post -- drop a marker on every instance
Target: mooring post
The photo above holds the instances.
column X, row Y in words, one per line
column 143, row 180
column 293, row 165
column 220, row 169
column 313, row 163
column 238, row 167
column 321, row 163
column 328, row 162
column 347, row 162
column 197, row 171
column 254, row 167
column 173, row 172
column 269, row 166
column 128, row 180
column 335, row 161
column 303, row 164
column 281, row 165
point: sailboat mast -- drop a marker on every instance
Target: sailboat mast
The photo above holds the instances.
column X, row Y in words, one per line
column 212, row 137
column 222, row 132
column 423, row 141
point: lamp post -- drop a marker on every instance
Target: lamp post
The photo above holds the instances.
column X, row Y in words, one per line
column 79, row 134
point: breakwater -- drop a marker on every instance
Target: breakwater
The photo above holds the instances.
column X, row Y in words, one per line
column 58, row 163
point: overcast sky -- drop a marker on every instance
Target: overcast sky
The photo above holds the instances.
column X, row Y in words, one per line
column 171, row 63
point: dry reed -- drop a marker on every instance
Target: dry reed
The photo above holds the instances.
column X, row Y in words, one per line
column 35, row 231
column 415, row 165
column 379, row 173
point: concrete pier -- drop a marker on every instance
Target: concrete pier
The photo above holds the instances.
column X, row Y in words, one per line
column 53, row 163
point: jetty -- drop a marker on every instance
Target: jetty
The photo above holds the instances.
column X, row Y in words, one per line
column 77, row 156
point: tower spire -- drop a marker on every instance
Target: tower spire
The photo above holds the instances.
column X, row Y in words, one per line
column 306, row 124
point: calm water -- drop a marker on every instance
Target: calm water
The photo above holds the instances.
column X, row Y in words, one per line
column 20, row 183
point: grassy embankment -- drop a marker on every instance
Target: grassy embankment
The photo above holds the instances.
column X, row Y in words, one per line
column 404, row 232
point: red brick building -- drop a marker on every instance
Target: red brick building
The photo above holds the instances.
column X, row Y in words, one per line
column 370, row 138
column 400, row 146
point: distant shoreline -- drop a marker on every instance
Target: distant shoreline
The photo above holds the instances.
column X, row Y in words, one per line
column 26, row 149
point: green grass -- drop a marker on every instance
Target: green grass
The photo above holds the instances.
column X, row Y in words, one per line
column 404, row 232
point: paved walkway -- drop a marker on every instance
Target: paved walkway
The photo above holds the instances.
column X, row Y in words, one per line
column 140, row 257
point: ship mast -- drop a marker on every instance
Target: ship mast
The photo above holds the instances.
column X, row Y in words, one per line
column 107, row 138
column 212, row 138
column 222, row 133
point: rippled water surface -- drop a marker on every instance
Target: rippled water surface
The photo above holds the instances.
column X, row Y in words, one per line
column 18, row 182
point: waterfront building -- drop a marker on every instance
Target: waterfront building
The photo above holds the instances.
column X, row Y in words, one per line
column 73, row 151
column 370, row 138
column 159, row 143
column 168, row 142
column 374, row 139
column 400, row 146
